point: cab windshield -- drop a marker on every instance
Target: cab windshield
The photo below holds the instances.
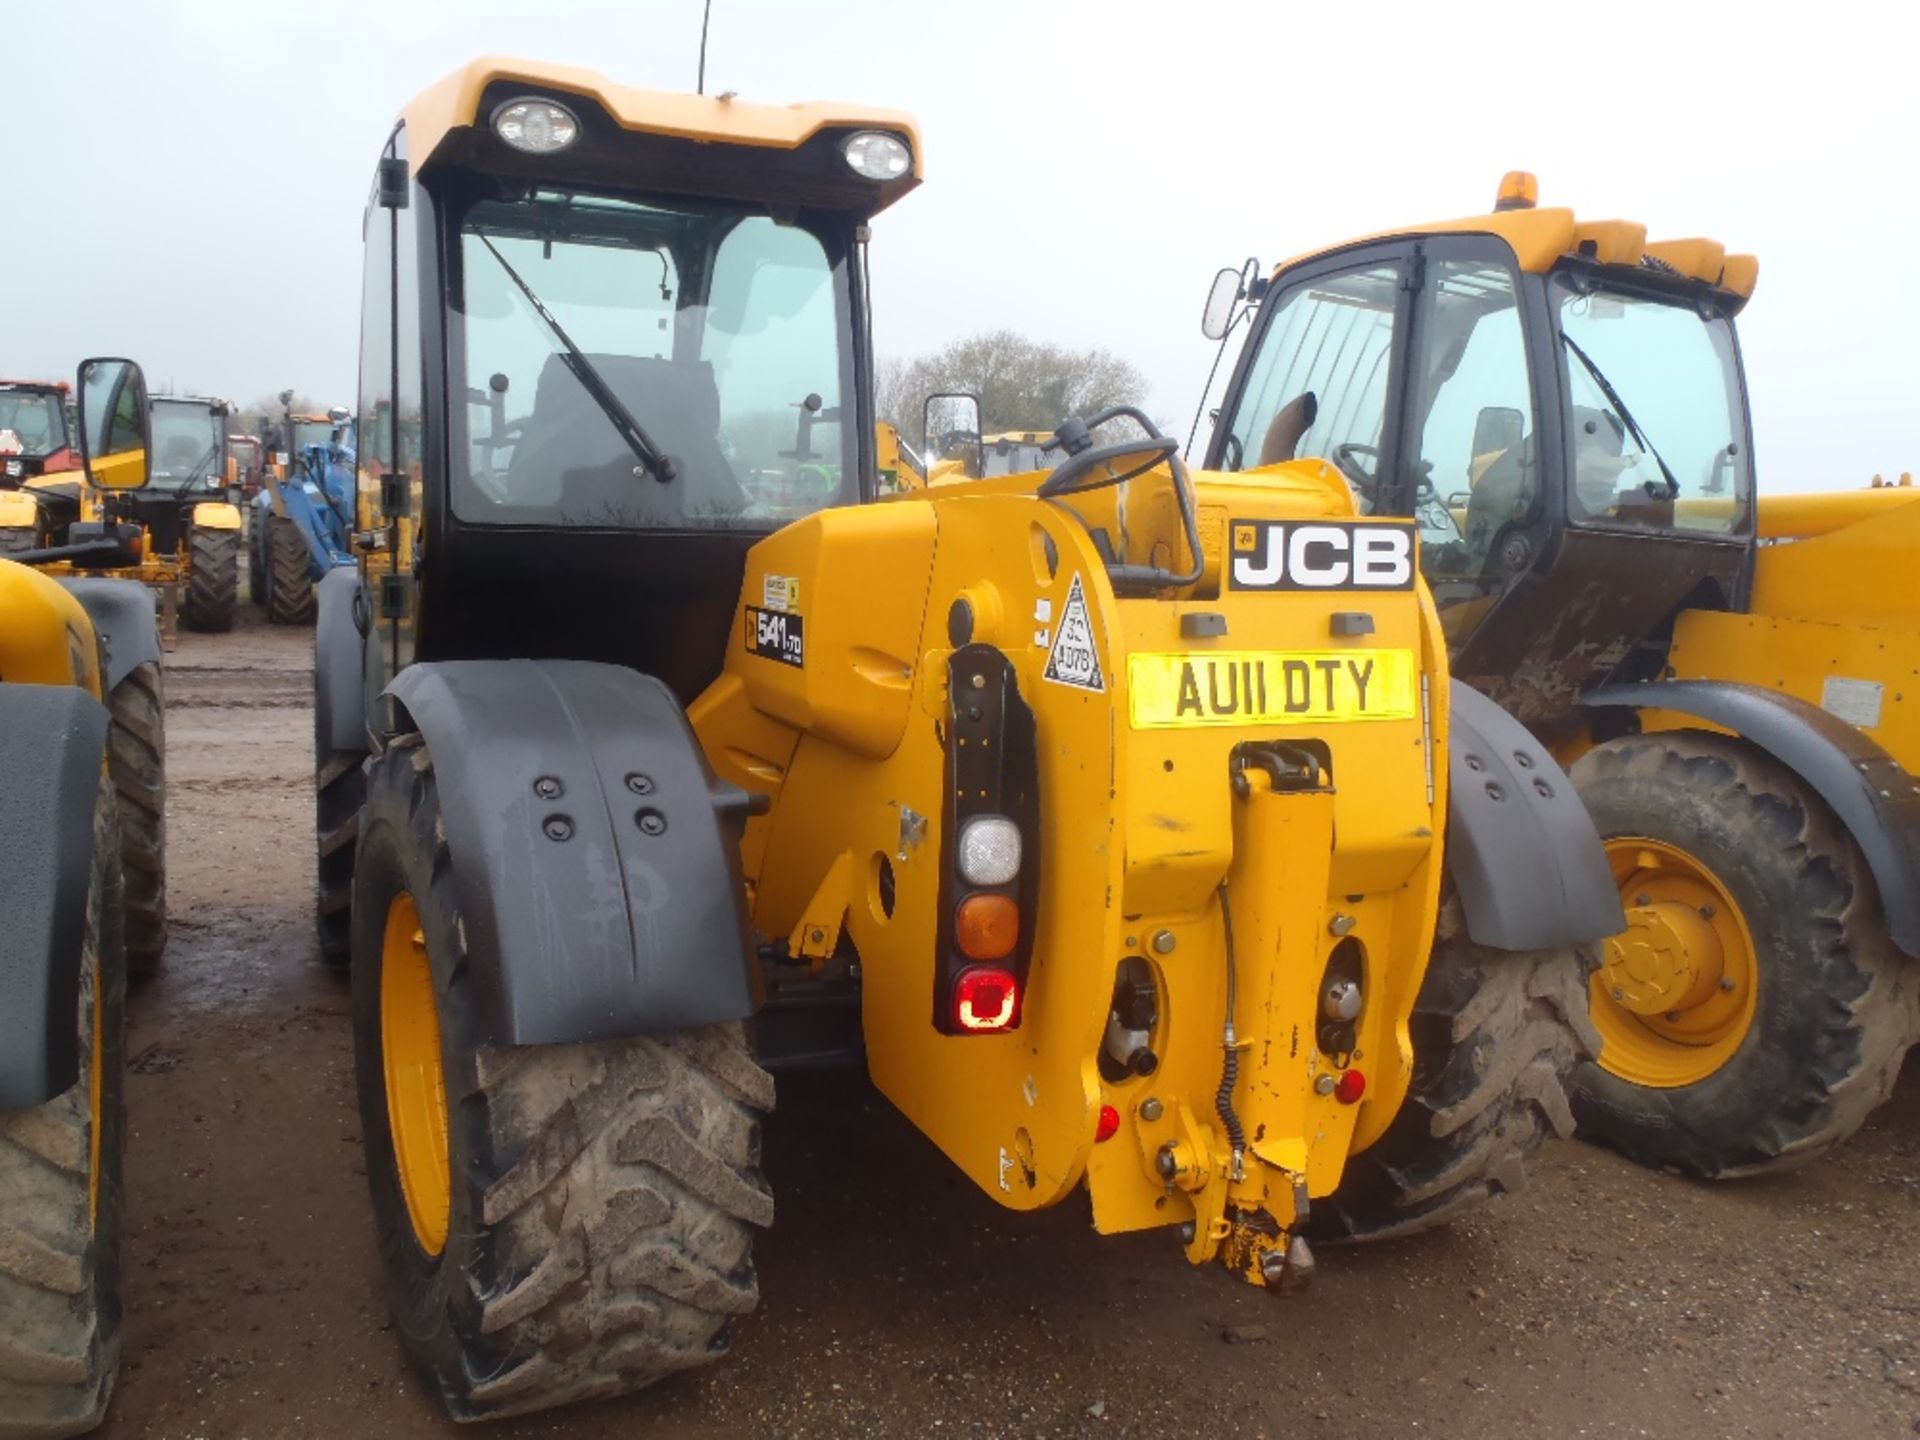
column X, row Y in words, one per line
column 315, row 432
column 721, row 334
column 1655, row 412
column 186, row 445
column 32, row 424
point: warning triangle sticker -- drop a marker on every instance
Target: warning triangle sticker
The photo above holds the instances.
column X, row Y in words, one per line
column 1074, row 660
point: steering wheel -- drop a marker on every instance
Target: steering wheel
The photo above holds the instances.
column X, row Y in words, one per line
column 1067, row 477
column 1344, row 457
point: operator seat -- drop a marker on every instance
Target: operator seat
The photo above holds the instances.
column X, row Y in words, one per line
column 570, row 457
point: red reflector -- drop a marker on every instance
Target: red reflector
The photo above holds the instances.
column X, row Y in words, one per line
column 1108, row 1125
column 986, row 999
column 1350, row 1087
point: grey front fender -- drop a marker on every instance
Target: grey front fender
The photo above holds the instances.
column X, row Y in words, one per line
column 339, row 664
column 1522, row 850
column 1873, row 797
column 123, row 616
column 52, row 741
column 633, row 920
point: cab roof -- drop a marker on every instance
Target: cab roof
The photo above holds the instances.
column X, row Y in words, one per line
column 454, row 105
column 1542, row 238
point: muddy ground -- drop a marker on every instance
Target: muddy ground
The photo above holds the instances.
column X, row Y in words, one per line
column 898, row 1300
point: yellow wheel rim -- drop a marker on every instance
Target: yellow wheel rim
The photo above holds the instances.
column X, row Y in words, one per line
column 1677, row 990
column 416, row 1083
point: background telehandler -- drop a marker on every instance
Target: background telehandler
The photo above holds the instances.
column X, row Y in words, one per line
column 63, row 956
column 1558, row 404
column 1101, row 814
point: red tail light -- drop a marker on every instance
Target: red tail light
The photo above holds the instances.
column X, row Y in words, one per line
column 1107, row 1126
column 1350, row 1087
column 986, row 999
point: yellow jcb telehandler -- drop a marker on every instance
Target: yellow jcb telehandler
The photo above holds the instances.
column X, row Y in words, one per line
column 1558, row 404
column 179, row 532
column 63, row 952
column 1122, row 822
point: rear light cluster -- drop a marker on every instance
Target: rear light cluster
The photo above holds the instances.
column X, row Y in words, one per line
column 987, row 878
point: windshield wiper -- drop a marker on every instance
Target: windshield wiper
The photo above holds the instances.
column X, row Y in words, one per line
column 200, row 465
column 591, row 380
column 1620, row 406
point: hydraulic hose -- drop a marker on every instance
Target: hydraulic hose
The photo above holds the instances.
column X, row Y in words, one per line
column 1230, row 1066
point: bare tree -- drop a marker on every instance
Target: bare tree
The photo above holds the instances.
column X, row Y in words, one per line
column 1022, row 384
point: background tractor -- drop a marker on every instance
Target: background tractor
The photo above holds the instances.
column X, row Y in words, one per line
column 1098, row 814
column 64, row 651
column 177, row 533
column 1558, row 404
column 303, row 513
column 35, row 450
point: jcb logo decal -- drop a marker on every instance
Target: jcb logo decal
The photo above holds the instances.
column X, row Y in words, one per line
column 1323, row 555
column 773, row 635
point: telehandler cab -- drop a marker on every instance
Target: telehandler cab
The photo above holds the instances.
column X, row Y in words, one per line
column 1558, row 404
column 1099, row 813
column 64, row 648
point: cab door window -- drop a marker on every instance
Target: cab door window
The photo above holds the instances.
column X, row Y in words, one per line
column 1317, row 386
column 1476, row 471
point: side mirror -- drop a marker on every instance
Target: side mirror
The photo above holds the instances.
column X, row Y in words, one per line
column 115, row 434
column 1496, row 428
column 1219, row 310
column 950, row 424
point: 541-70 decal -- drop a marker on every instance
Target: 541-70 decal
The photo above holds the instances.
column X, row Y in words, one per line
column 1320, row 555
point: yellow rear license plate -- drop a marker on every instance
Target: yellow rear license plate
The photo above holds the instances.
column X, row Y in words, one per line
column 1264, row 687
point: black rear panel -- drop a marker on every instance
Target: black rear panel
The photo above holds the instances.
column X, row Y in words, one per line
column 660, row 603
column 1600, row 609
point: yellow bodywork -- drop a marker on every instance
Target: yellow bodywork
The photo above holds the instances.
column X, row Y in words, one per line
column 454, row 103
column 1540, row 239
column 45, row 635
column 1142, row 829
column 18, row 510
column 216, row 515
column 1834, row 617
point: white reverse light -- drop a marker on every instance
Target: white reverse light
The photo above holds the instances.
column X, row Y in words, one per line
column 876, row 155
column 989, row 850
column 539, row 127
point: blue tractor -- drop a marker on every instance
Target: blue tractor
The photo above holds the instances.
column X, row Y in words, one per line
column 303, row 515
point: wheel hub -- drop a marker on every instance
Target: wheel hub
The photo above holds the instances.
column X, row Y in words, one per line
column 1667, row 959
column 1676, row 993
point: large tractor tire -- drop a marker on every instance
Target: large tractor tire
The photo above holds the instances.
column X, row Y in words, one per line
column 290, row 597
column 138, row 761
column 557, row 1223
column 1494, row 1035
column 60, row 1198
column 213, row 580
column 15, row 538
column 339, row 790
column 1755, row 1011
column 257, row 559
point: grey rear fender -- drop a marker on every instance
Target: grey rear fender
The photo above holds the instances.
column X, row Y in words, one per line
column 55, row 743
column 1523, row 853
column 1869, row 793
column 123, row 616
column 613, row 906
column 339, row 665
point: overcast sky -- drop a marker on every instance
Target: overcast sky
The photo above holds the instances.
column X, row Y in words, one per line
column 189, row 177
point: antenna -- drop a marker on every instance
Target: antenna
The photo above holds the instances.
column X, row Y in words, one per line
column 706, row 12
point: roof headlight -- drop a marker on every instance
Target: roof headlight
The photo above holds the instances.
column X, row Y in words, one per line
column 876, row 155
column 537, row 127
